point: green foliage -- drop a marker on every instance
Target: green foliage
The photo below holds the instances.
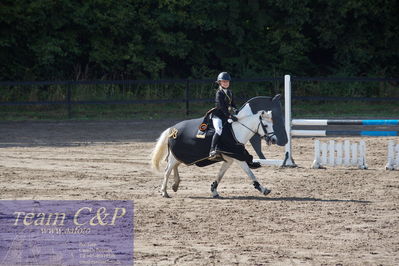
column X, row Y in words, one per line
column 151, row 39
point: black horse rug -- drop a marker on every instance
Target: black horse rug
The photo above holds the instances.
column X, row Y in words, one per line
column 189, row 149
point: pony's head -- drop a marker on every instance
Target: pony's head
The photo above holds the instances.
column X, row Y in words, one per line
column 263, row 123
column 265, row 130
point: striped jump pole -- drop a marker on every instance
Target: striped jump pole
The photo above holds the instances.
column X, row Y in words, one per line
column 328, row 122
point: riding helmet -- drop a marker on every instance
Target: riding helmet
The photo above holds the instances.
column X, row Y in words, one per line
column 224, row 76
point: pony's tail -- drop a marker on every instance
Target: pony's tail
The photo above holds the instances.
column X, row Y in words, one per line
column 159, row 152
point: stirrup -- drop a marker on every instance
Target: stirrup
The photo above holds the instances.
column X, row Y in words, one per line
column 214, row 154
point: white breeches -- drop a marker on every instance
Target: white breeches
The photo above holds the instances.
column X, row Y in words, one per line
column 217, row 124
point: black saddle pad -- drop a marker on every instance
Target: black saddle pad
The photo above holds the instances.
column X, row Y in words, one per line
column 206, row 125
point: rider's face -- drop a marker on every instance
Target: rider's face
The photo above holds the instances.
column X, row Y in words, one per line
column 225, row 83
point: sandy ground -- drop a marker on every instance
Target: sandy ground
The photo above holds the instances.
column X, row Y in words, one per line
column 335, row 216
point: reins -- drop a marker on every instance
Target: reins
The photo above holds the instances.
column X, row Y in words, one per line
column 267, row 135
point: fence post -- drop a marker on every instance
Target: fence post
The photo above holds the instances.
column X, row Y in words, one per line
column 187, row 97
column 68, row 100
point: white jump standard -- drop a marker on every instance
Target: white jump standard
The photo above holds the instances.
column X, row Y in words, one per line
column 338, row 153
column 393, row 156
column 343, row 131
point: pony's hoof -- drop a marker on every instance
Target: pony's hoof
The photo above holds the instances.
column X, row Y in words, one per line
column 267, row 191
column 217, row 196
column 165, row 195
column 175, row 187
column 254, row 165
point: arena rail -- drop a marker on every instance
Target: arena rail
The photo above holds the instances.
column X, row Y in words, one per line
column 70, row 100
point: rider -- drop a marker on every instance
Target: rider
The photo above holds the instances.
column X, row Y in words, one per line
column 225, row 109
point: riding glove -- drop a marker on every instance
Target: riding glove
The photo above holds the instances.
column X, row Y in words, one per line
column 234, row 118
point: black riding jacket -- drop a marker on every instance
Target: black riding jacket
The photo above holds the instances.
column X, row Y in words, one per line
column 222, row 103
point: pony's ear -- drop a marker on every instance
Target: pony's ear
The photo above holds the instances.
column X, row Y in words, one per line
column 266, row 114
column 269, row 114
column 276, row 98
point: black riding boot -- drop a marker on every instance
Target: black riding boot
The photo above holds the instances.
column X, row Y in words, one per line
column 215, row 140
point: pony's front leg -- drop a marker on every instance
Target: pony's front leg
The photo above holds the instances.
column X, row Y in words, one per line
column 255, row 182
column 226, row 164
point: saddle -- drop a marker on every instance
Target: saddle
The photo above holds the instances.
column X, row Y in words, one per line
column 206, row 126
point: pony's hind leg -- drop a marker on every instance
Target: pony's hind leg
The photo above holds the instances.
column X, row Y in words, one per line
column 222, row 171
column 170, row 166
column 176, row 175
column 165, row 182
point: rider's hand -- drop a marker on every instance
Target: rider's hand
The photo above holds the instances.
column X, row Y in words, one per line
column 234, row 118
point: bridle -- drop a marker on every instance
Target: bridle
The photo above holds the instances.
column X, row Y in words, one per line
column 267, row 136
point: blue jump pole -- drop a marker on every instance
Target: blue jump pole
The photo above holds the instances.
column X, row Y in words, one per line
column 361, row 133
column 380, row 122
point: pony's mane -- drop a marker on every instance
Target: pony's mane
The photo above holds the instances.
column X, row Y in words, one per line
column 245, row 111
